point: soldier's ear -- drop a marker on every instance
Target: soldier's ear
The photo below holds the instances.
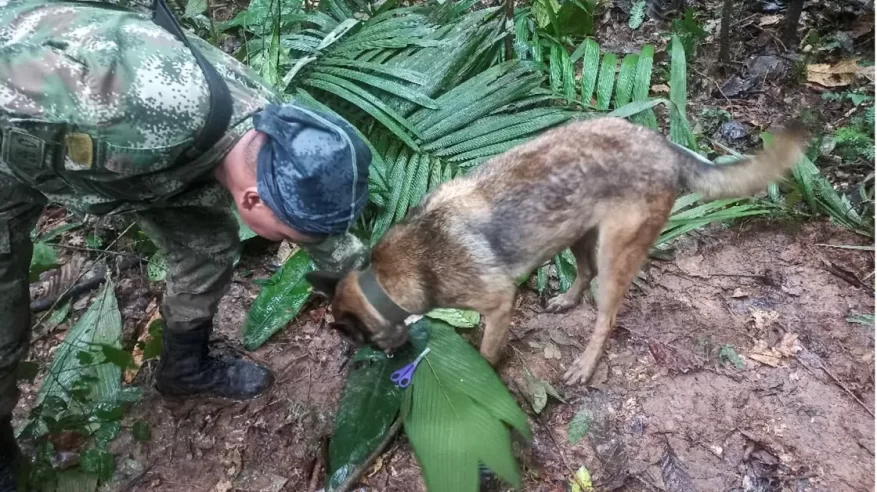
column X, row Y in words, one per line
column 324, row 282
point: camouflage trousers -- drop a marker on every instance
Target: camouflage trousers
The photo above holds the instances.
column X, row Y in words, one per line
column 199, row 244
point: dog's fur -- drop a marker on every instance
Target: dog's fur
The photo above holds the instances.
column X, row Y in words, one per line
column 601, row 180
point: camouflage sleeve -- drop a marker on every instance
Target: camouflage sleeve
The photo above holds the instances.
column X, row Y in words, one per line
column 338, row 254
column 142, row 6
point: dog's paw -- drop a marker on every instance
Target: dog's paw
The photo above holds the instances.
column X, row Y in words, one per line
column 560, row 304
column 580, row 372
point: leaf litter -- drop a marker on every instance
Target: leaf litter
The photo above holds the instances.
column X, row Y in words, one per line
column 538, row 391
column 788, row 347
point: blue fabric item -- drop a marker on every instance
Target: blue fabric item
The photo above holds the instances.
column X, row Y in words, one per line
column 312, row 171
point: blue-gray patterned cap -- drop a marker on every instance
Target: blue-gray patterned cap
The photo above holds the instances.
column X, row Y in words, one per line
column 312, row 171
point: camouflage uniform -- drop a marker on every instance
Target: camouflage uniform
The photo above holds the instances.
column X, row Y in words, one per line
column 96, row 104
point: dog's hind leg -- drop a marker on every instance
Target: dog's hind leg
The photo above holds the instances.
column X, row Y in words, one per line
column 585, row 252
column 625, row 239
column 498, row 315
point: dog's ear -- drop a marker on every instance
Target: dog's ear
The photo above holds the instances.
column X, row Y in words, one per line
column 324, row 282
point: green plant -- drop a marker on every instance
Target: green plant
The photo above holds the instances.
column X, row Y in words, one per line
column 821, row 198
column 80, row 404
column 455, row 412
column 637, row 14
column 690, row 32
column 856, row 140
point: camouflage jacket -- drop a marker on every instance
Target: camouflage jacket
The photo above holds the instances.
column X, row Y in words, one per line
column 97, row 103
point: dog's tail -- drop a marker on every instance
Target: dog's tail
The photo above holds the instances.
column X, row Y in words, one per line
column 749, row 175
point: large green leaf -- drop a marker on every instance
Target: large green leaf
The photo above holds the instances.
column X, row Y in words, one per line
column 259, row 14
column 590, row 69
column 44, row 258
column 565, row 263
column 101, row 325
column 244, row 231
column 679, row 130
column 367, row 102
column 458, row 318
column 576, row 17
column 369, row 405
column 606, row 80
column 642, row 83
column 458, row 414
column 383, row 84
column 411, row 175
column 624, row 88
column 279, row 301
column 686, row 218
column 75, row 480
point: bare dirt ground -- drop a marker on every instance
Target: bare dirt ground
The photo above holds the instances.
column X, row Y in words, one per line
column 736, row 355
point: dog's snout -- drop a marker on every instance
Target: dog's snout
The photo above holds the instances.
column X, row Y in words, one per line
column 392, row 338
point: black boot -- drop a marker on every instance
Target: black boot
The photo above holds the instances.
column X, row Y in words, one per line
column 9, row 455
column 186, row 369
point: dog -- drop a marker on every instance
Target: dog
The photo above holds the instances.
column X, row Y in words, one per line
column 603, row 181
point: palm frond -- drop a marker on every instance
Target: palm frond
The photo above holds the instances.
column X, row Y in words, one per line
column 626, row 76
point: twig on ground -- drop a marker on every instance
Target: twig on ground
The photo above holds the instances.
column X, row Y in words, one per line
column 351, row 479
column 718, row 87
column 847, row 246
column 95, row 250
column 82, row 274
column 836, row 381
column 316, row 470
column 845, row 275
column 79, row 287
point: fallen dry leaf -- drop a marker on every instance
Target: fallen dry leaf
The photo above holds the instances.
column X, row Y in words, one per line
column 763, row 319
column 222, row 486
column 738, row 293
column 788, row 346
column 767, row 360
column 236, row 462
column 661, row 88
column 379, row 463
column 285, row 251
column 769, row 20
column 551, row 351
column 863, row 25
column 838, row 75
column 137, row 353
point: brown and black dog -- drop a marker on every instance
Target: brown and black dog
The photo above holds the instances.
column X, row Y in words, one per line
column 602, row 180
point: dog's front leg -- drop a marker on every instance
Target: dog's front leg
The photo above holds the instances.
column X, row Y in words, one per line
column 496, row 328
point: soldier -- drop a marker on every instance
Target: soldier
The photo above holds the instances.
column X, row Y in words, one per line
column 104, row 111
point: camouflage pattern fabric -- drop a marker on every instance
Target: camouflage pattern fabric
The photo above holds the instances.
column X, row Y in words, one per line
column 96, row 106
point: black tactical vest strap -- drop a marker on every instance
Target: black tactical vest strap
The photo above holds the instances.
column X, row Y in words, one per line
column 219, row 116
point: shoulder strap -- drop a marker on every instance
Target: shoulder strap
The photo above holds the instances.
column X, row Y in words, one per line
column 219, row 116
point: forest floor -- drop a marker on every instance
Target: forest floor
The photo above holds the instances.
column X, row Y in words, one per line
column 737, row 356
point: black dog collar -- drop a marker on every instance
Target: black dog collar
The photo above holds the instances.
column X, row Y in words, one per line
column 377, row 296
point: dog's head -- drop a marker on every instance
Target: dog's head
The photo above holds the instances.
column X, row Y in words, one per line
column 355, row 317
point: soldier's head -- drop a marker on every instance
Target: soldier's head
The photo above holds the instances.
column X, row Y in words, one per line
column 298, row 175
